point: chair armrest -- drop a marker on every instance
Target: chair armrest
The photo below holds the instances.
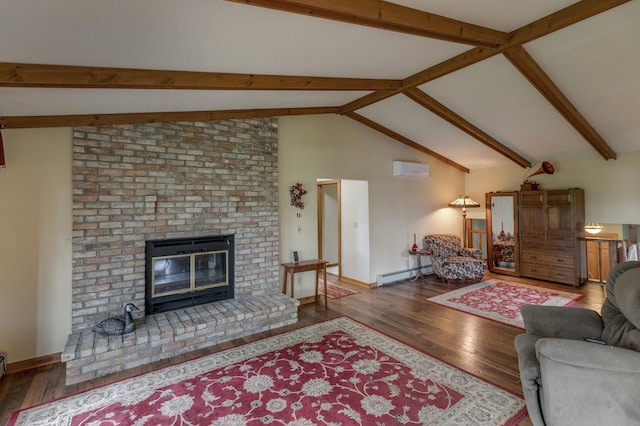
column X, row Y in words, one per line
column 528, row 363
column 562, row 322
column 471, row 252
column 529, row 368
column 587, row 383
column 593, row 357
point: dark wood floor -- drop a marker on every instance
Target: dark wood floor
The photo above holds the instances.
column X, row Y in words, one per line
column 476, row 345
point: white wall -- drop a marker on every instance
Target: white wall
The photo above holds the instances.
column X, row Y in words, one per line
column 612, row 188
column 330, row 223
column 35, row 244
column 328, row 146
column 355, row 229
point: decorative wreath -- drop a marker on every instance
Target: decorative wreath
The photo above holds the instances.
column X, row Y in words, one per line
column 297, row 192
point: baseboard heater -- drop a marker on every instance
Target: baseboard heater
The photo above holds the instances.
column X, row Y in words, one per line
column 406, row 274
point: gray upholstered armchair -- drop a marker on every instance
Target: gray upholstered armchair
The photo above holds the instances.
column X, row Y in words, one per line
column 569, row 381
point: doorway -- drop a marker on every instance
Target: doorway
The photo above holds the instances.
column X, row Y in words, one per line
column 329, row 225
column 343, row 228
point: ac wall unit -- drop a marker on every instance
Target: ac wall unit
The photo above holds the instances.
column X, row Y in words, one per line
column 404, row 168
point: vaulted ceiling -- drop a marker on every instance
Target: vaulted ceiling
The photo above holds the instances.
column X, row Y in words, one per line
column 474, row 84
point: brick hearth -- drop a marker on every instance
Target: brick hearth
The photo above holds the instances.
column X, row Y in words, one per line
column 133, row 183
column 89, row 355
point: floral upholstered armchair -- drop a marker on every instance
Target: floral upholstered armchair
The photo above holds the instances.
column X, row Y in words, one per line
column 451, row 262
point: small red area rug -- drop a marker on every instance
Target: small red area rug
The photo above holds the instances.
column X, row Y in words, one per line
column 339, row 372
column 335, row 291
column 501, row 301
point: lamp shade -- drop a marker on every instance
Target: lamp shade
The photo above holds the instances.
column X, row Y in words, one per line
column 593, row 227
column 463, row 201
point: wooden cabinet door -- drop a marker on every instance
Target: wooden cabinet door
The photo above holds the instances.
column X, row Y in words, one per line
column 606, row 263
column 560, row 211
column 593, row 261
column 532, row 212
column 599, row 264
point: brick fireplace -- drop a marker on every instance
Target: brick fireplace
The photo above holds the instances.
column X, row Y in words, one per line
column 144, row 182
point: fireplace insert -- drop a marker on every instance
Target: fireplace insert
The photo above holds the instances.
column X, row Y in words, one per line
column 186, row 272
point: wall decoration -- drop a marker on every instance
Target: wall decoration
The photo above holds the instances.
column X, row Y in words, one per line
column 540, row 168
column 297, row 192
column 114, row 326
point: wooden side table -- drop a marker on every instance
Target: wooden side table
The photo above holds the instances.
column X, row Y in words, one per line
column 305, row 266
column 418, row 254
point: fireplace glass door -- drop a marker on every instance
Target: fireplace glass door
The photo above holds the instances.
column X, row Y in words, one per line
column 183, row 273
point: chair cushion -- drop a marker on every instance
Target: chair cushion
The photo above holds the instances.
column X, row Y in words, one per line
column 611, row 302
column 444, row 244
column 621, row 309
column 628, row 295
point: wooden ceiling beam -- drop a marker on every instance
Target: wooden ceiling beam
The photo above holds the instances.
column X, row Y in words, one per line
column 524, row 63
column 390, row 133
column 556, row 21
column 448, row 115
column 23, row 122
column 64, row 76
column 389, row 16
column 455, row 63
column 563, row 18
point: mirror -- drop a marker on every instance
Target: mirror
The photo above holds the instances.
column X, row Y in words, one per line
column 502, row 227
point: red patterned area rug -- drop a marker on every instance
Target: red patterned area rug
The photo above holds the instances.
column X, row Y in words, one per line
column 335, row 291
column 501, row 301
column 338, row 372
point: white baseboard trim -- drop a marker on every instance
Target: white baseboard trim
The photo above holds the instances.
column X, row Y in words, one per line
column 406, row 274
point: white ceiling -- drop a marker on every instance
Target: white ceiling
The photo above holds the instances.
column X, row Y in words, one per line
column 595, row 63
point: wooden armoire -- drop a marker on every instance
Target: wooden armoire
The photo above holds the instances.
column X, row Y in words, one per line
column 552, row 243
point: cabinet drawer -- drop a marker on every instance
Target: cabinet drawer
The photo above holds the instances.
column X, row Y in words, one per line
column 549, row 242
column 531, row 198
column 558, row 250
column 559, row 198
column 528, row 244
column 548, row 258
column 550, row 273
column 562, row 239
column 532, row 240
column 303, row 268
column 532, row 236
